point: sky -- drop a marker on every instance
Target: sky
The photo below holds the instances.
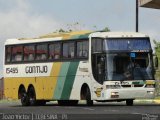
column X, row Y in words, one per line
column 32, row 18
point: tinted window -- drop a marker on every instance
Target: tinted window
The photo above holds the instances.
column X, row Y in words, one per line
column 54, row 51
column 29, row 53
column 8, row 54
column 17, row 53
column 97, row 45
column 68, row 50
column 82, row 49
column 128, row 44
column 41, row 52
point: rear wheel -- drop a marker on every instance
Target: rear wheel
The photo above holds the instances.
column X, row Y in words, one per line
column 24, row 97
column 32, row 96
column 129, row 102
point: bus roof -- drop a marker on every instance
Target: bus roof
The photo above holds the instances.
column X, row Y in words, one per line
column 117, row 34
column 52, row 37
column 74, row 35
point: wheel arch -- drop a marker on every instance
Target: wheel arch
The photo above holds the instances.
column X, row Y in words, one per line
column 83, row 91
column 29, row 86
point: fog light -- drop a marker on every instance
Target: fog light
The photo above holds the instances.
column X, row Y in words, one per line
column 114, row 93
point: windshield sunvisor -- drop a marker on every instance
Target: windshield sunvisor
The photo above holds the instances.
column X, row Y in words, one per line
column 127, row 45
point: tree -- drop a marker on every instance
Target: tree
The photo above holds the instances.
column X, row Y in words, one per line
column 106, row 29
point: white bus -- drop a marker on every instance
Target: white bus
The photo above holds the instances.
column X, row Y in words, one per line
column 68, row 67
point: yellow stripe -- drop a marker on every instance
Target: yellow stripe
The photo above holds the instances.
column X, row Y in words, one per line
column 56, row 69
column 52, row 81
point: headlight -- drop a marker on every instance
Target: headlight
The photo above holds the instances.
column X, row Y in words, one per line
column 113, row 86
column 114, row 95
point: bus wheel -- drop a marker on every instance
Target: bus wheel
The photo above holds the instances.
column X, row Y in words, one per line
column 24, row 97
column 89, row 102
column 129, row 102
column 32, row 96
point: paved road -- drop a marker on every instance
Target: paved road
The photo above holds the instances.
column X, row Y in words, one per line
column 99, row 110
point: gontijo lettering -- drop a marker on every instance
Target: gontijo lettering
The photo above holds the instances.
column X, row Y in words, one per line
column 36, row 69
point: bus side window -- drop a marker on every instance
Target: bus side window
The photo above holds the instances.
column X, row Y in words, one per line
column 82, row 49
column 29, row 52
column 54, row 51
column 8, row 54
column 41, row 52
column 68, row 50
column 17, row 53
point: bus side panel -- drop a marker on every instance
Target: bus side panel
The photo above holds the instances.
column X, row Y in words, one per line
column 69, row 80
column 39, row 88
column 8, row 87
column 49, row 86
column 50, row 82
column 82, row 76
column 11, row 85
column 65, row 80
column 61, row 80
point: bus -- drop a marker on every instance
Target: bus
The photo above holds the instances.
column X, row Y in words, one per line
column 69, row 67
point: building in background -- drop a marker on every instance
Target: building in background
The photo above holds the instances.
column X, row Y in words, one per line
column 150, row 3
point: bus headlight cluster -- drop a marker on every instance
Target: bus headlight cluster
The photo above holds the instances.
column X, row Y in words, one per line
column 113, row 86
column 114, row 95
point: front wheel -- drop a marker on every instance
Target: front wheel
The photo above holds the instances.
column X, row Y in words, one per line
column 89, row 102
column 129, row 102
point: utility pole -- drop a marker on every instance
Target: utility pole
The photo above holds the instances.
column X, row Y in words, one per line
column 137, row 16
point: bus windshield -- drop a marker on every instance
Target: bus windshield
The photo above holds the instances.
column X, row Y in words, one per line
column 121, row 66
column 122, row 59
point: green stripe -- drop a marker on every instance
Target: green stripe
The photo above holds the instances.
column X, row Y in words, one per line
column 61, row 80
column 84, row 36
column 68, row 85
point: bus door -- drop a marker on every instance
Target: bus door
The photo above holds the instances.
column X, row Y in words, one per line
column 98, row 70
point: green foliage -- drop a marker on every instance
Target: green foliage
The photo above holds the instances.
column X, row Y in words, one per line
column 157, row 72
column 106, row 29
column 157, row 48
column 77, row 27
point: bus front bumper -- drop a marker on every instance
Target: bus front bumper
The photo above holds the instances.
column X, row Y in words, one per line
column 129, row 93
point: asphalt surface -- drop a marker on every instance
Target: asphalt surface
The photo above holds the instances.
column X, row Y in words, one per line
column 100, row 111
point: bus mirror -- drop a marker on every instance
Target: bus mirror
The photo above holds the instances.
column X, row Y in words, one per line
column 156, row 62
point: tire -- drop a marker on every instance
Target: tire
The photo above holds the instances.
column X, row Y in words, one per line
column 32, row 96
column 24, row 97
column 129, row 102
column 89, row 102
